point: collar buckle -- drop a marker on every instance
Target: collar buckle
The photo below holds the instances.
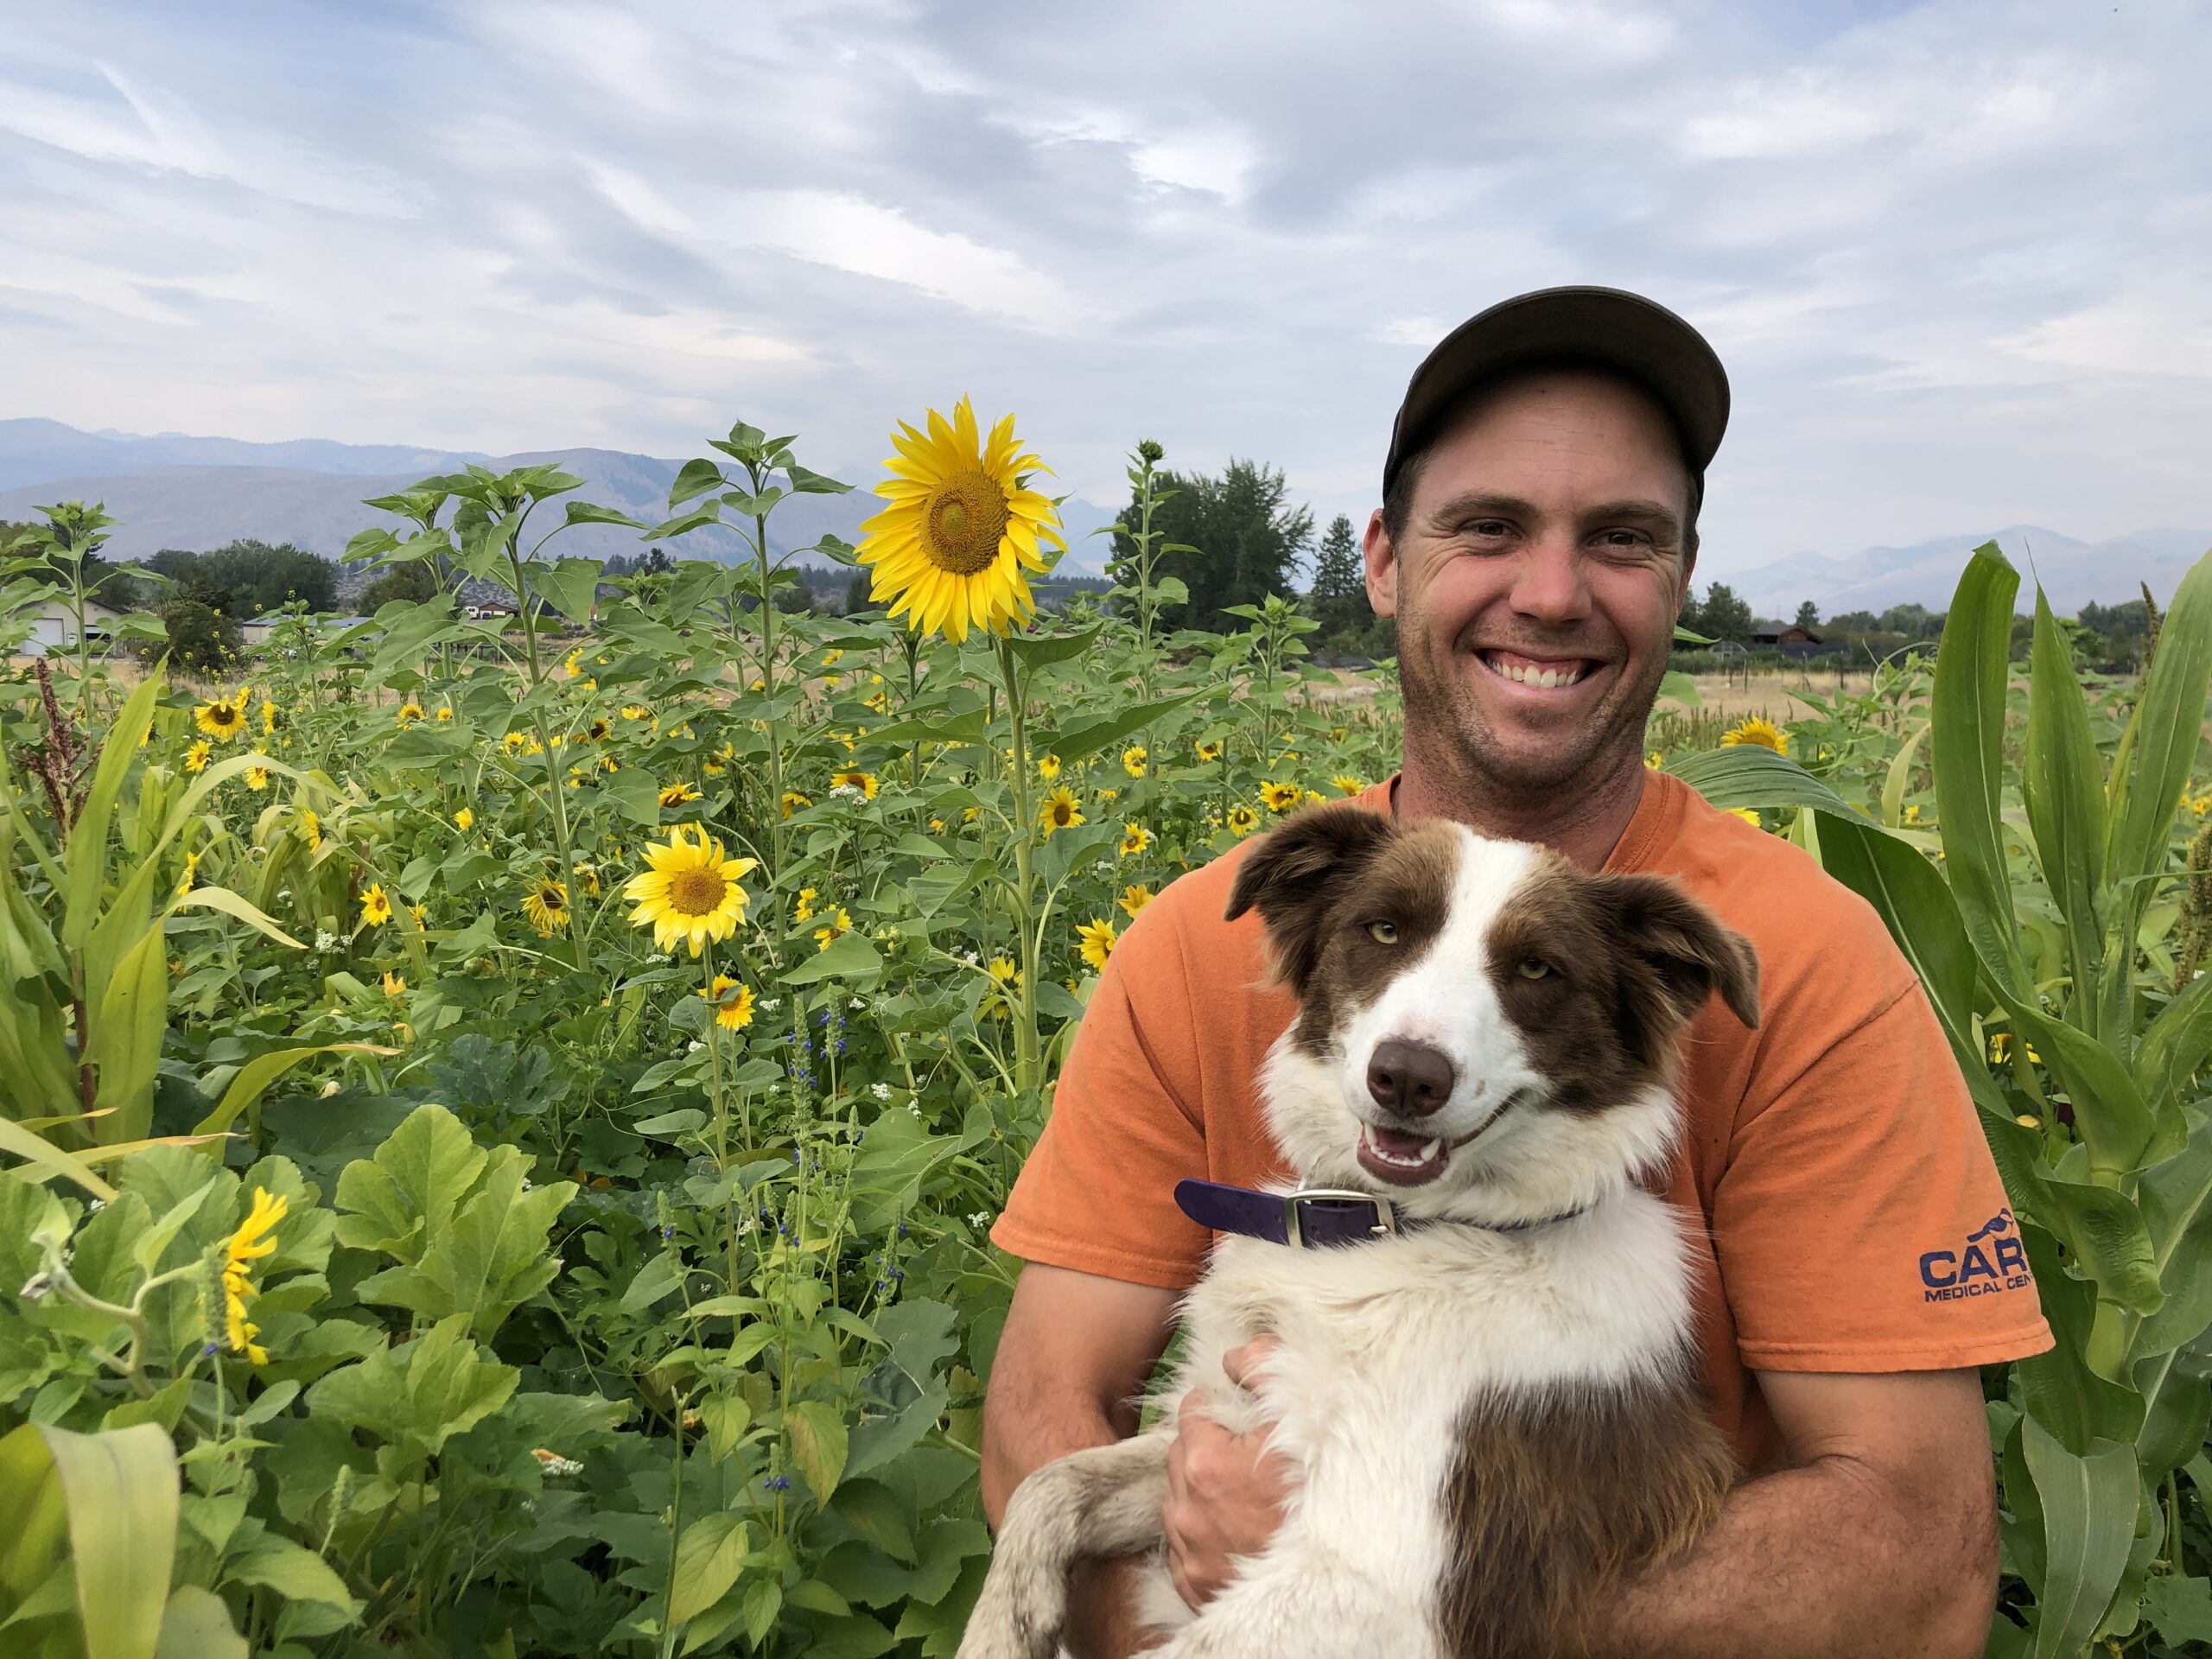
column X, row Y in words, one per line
column 1384, row 1224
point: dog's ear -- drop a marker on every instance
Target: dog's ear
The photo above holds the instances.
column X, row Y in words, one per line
column 1678, row 955
column 1295, row 872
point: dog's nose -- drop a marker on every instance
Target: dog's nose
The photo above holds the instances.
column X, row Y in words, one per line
column 1411, row 1078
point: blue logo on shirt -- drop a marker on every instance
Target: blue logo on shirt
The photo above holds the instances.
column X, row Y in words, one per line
column 1993, row 1260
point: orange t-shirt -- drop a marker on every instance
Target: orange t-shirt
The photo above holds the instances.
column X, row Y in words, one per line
column 1833, row 1155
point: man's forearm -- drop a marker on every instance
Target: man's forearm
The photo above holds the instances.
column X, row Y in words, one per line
column 1817, row 1563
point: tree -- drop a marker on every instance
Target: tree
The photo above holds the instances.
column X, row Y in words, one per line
column 1231, row 540
column 856, row 593
column 246, row 577
column 1339, row 590
column 1808, row 616
column 200, row 638
column 415, row 582
column 1724, row 615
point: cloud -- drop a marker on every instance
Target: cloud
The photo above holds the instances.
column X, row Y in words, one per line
column 1954, row 253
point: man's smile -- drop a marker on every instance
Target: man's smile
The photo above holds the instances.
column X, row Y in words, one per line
column 1541, row 674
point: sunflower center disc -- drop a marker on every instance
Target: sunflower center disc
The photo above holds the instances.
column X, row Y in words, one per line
column 966, row 520
column 697, row 893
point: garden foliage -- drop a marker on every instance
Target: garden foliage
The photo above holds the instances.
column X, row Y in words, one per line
column 399, row 1253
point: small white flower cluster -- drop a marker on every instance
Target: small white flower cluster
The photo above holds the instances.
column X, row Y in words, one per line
column 554, row 1464
column 972, row 958
column 769, row 1004
column 325, row 940
column 981, row 1221
column 914, row 1104
column 693, row 1046
column 856, row 1002
column 848, row 792
column 880, row 1091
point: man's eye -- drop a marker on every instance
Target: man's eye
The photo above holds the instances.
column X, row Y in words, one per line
column 1383, row 933
column 1623, row 538
column 1488, row 527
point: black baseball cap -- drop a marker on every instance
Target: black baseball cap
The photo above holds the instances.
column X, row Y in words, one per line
column 1605, row 326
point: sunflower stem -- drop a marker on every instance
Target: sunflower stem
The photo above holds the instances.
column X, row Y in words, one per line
column 1025, row 1025
column 760, row 478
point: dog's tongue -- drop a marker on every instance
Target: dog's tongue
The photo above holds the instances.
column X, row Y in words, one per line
column 1398, row 1144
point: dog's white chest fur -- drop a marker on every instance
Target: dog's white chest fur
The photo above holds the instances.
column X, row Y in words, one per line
column 1383, row 1346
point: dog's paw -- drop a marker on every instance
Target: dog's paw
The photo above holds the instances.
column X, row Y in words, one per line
column 1014, row 1620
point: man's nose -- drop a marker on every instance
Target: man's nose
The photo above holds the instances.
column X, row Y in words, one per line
column 1412, row 1079
column 1548, row 586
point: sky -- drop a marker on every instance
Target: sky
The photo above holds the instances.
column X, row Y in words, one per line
column 1957, row 256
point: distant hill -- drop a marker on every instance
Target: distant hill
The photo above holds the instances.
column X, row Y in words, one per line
column 2072, row 573
column 175, row 491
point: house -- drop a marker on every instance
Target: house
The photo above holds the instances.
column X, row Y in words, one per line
column 256, row 631
column 1789, row 639
column 53, row 625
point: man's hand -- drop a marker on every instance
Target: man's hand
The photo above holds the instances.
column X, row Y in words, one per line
column 1225, row 1492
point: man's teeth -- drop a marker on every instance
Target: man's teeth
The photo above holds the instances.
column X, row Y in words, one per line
column 1546, row 678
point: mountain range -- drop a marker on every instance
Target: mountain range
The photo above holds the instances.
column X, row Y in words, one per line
column 171, row 490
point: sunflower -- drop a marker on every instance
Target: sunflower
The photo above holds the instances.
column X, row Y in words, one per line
column 1209, row 750
column 445, row 711
column 1135, row 899
column 223, row 717
column 953, row 548
column 256, row 777
column 1244, row 820
column 678, row 794
column 587, row 872
column 410, row 712
column 420, row 913
column 803, row 910
column 1654, row 760
column 196, row 757
column 376, row 908
column 733, row 1002
column 1059, row 811
column 834, row 929
column 1004, row 974
column 514, row 742
column 191, row 871
column 546, row 905
column 248, row 1245
column 1748, row 814
column 1133, row 759
column 595, row 732
column 310, row 828
column 1758, row 731
column 464, row 820
column 1315, row 797
column 268, row 718
column 1344, row 784
column 635, row 711
column 1280, row 797
column 1095, row 941
column 855, row 778
column 689, row 892
column 394, row 984
column 1048, row 767
column 1135, row 839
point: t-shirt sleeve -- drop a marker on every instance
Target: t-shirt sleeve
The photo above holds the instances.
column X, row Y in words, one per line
column 1097, row 1194
column 1861, row 1224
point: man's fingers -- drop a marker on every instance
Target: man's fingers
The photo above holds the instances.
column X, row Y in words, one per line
column 1243, row 1365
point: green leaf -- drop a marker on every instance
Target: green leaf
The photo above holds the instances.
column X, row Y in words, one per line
column 42, row 1154
column 587, row 512
column 418, row 1395
column 694, row 479
column 708, row 1557
column 570, row 584
column 121, row 1490
column 1680, row 688
column 1749, row 775
column 1036, row 651
column 489, row 1259
column 660, row 1277
column 875, row 1512
column 2166, row 729
column 808, row 483
column 86, row 856
column 2063, row 784
column 2179, row 1608
column 2089, row 1516
column 1085, row 738
column 254, row 1077
column 410, row 1191
column 2176, row 1200
column 849, row 955
column 298, row 1575
column 818, row 1437
column 195, row 1624
column 1970, row 673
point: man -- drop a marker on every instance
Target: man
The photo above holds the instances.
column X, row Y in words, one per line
column 1535, row 542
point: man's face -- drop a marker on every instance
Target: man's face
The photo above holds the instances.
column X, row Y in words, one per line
column 1538, row 577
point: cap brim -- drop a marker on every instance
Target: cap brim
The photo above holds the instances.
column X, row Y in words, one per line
column 1609, row 326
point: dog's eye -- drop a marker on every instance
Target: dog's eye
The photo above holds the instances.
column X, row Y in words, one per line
column 1533, row 968
column 1383, row 933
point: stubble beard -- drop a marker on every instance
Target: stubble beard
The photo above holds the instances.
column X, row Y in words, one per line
column 1455, row 740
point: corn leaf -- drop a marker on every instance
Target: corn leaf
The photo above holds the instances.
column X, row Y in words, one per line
column 120, row 1487
column 1969, row 732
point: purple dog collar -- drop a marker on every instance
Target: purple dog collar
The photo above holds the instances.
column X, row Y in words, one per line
column 1315, row 1216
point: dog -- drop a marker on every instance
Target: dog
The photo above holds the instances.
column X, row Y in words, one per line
column 1484, row 1374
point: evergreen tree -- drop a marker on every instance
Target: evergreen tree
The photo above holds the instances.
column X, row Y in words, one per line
column 1724, row 615
column 1808, row 616
column 1338, row 595
column 1231, row 540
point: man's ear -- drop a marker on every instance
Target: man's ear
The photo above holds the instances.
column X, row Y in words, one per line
column 1381, row 561
column 1678, row 954
column 1297, row 871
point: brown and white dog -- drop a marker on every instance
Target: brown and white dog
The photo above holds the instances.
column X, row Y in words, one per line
column 1493, row 1410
